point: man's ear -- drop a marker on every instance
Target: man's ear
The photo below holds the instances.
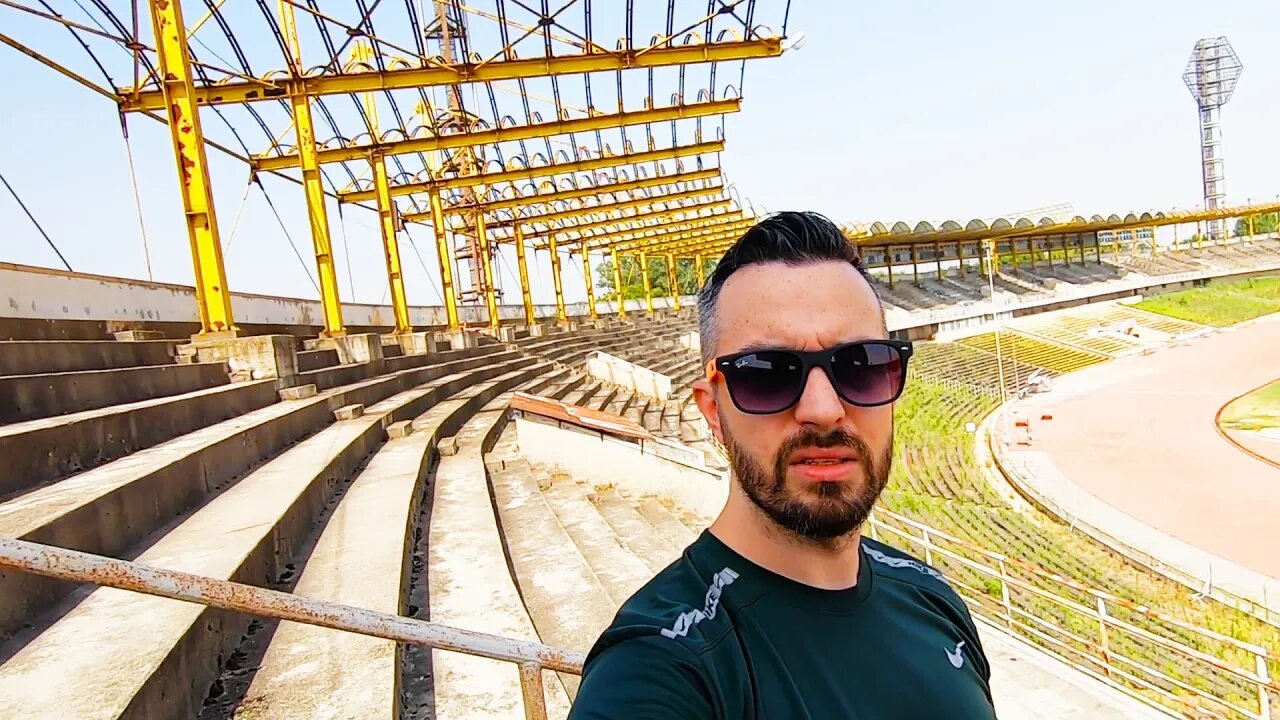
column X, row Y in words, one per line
column 704, row 393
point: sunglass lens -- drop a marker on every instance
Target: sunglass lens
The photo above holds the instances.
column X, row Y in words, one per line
column 764, row 382
column 868, row 373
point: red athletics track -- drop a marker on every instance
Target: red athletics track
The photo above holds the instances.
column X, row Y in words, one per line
column 1139, row 434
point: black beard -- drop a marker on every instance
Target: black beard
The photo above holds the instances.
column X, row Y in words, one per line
column 839, row 508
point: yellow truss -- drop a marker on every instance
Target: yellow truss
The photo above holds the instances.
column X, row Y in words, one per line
column 507, row 134
column 440, row 73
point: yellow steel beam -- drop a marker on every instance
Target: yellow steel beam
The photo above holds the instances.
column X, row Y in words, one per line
column 438, row 73
column 526, row 294
column 541, row 171
column 662, row 221
column 701, row 270
column 584, row 192
column 591, row 289
column 486, row 273
column 391, row 247
column 308, row 160
column 648, row 286
column 656, row 216
column 618, row 295
column 444, row 255
column 174, row 57
column 654, row 236
column 604, row 209
column 671, row 281
column 561, row 316
column 492, row 136
column 711, row 243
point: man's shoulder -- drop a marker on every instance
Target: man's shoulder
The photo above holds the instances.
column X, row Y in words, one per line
column 893, row 564
column 681, row 605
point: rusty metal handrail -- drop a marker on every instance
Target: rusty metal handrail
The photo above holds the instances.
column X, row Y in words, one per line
column 531, row 657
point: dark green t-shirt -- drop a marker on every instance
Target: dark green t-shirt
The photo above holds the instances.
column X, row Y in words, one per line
column 715, row 636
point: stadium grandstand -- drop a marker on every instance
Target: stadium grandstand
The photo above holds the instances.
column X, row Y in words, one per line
column 230, row 505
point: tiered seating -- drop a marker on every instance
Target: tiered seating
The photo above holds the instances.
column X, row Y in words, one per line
column 1051, row 356
column 952, row 363
column 1080, row 330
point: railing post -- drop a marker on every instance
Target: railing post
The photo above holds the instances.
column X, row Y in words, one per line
column 1264, row 679
column 928, row 547
column 1004, row 595
column 871, row 527
column 535, row 699
column 1102, row 636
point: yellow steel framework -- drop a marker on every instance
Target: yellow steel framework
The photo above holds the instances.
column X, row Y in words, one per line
column 671, row 281
column 648, row 286
column 308, row 160
column 179, row 104
column 618, row 294
column 261, row 90
column 462, row 167
column 515, row 175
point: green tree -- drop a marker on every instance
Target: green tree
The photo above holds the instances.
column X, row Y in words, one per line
column 1262, row 224
column 633, row 281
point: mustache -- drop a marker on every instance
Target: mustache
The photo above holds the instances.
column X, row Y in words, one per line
column 811, row 438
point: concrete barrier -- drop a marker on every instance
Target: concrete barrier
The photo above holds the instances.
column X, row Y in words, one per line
column 32, row 357
column 603, row 366
column 28, row 397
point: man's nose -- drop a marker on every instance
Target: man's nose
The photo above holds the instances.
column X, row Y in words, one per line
column 819, row 404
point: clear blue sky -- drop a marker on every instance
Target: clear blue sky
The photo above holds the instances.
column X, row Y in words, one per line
column 889, row 111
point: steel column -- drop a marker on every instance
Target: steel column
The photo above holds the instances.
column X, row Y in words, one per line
column 648, row 287
column 619, row 296
column 526, row 295
column 561, row 316
column 672, row 281
column 937, row 256
column 591, row 290
column 702, row 272
column 486, row 273
column 445, row 255
column 391, row 246
column 915, row 263
column 308, row 161
column 174, row 58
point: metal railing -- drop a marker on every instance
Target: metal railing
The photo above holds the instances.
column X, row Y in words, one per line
column 1005, row 597
column 530, row 657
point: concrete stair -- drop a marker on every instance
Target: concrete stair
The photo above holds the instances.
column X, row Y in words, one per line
column 28, row 397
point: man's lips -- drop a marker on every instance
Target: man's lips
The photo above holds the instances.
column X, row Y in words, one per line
column 823, row 456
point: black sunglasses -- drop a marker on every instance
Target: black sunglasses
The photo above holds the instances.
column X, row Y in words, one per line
column 866, row 373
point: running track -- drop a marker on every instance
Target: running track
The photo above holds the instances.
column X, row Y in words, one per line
column 1139, row 434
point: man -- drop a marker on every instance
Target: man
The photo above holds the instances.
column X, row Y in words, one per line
column 781, row 609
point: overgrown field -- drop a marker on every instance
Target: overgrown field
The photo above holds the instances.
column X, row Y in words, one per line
column 1220, row 303
column 937, row 480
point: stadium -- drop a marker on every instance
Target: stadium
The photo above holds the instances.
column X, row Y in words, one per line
column 224, row 504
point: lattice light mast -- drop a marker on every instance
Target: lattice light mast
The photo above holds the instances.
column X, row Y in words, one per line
column 1211, row 75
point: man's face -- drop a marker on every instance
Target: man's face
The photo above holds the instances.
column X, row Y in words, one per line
column 804, row 307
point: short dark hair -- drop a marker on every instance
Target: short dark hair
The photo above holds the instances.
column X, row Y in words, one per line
column 791, row 237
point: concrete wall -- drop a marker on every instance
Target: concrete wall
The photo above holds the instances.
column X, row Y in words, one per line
column 92, row 306
column 603, row 366
column 660, row 468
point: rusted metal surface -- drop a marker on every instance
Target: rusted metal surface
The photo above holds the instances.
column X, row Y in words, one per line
column 583, row 417
column 531, row 687
column 84, row 567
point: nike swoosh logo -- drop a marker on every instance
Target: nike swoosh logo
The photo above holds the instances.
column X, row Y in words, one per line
column 957, row 656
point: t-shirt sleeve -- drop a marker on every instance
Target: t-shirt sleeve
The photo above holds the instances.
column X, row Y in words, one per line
column 644, row 678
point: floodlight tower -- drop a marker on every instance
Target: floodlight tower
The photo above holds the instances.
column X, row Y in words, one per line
column 1211, row 75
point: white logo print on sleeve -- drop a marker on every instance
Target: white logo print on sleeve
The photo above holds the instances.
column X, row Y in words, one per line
column 956, row 657
column 688, row 619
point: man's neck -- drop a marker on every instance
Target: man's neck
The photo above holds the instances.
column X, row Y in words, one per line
column 827, row 565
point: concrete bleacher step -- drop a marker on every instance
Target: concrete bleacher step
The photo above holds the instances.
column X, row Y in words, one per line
column 471, row 586
column 34, row 357
column 565, row 599
column 251, row 532
column 109, row 508
column 665, row 523
column 619, row 570
column 37, row 451
column 29, row 397
column 366, row 557
column 636, row 533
